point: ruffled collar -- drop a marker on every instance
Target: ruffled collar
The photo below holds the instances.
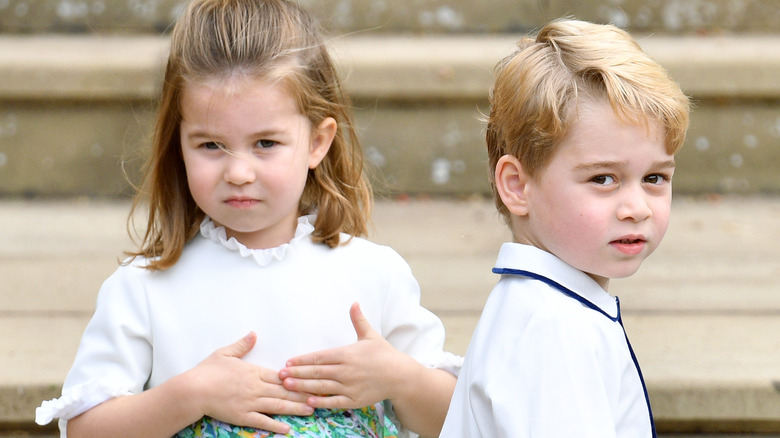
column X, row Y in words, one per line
column 263, row 257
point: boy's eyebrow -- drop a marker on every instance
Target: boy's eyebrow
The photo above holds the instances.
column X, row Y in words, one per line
column 600, row 165
column 666, row 164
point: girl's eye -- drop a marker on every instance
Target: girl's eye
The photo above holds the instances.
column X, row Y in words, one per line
column 656, row 179
column 211, row 145
column 603, row 180
column 265, row 144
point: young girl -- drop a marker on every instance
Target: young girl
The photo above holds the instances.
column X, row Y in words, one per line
column 231, row 318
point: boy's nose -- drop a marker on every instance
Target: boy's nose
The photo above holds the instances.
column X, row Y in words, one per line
column 634, row 206
column 239, row 169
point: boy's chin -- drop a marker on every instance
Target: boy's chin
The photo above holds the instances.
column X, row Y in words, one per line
column 603, row 277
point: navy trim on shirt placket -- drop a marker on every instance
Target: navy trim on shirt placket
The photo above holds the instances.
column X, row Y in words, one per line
column 570, row 293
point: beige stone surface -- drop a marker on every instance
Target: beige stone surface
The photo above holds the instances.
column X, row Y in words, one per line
column 703, row 313
column 431, row 16
column 77, row 111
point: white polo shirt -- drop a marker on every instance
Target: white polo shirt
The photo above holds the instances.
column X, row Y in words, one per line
column 549, row 358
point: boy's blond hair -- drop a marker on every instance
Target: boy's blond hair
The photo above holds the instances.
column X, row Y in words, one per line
column 274, row 40
column 538, row 86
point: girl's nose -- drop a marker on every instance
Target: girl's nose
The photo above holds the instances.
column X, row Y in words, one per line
column 239, row 169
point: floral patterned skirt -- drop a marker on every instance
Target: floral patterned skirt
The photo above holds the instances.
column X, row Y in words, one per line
column 346, row 423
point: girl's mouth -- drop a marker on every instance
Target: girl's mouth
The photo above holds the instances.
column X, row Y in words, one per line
column 241, row 202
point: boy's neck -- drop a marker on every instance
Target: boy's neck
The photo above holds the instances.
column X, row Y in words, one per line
column 520, row 237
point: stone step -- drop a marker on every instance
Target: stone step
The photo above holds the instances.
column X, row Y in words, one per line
column 76, row 110
column 703, row 312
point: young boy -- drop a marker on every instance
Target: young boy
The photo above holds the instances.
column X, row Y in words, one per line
column 581, row 137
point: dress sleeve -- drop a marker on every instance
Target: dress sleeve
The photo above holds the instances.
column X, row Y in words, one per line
column 115, row 354
column 410, row 327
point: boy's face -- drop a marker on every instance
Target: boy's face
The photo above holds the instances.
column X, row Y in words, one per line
column 602, row 203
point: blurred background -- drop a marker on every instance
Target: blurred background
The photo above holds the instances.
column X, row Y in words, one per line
column 78, row 87
column 78, row 80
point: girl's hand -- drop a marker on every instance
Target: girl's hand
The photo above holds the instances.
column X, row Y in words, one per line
column 353, row 376
column 369, row 371
column 236, row 392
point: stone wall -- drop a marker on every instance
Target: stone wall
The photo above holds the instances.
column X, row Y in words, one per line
column 79, row 79
column 393, row 16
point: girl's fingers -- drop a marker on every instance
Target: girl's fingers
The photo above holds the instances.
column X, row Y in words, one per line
column 333, row 402
column 270, row 377
column 309, row 372
column 264, row 422
column 313, row 386
column 362, row 327
column 276, row 391
column 241, row 347
column 285, row 394
column 324, row 357
column 275, row 406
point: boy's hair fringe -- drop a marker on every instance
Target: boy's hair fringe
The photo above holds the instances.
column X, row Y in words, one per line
column 538, row 87
column 272, row 40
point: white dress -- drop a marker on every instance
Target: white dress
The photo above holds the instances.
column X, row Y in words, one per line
column 549, row 358
column 150, row 326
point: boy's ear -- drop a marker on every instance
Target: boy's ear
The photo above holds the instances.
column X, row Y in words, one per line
column 511, row 184
column 323, row 136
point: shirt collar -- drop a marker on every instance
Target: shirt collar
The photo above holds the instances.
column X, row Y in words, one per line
column 540, row 263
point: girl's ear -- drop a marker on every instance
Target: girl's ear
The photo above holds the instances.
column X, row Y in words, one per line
column 322, row 138
column 512, row 184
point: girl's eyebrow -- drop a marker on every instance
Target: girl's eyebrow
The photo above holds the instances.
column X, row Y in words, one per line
column 199, row 134
column 202, row 133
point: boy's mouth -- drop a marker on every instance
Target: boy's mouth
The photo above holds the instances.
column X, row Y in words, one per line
column 629, row 245
column 628, row 241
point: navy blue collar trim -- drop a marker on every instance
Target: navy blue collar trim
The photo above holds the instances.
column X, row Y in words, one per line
column 566, row 291
column 570, row 293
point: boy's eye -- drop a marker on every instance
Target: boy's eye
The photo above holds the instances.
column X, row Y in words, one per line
column 265, row 144
column 603, row 180
column 656, row 178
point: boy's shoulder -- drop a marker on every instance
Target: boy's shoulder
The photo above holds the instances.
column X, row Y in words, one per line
column 527, row 300
column 538, row 286
column 527, row 317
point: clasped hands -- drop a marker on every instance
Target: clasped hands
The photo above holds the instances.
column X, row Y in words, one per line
column 352, row 376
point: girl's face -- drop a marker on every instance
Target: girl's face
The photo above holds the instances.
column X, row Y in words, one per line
column 602, row 203
column 247, row 150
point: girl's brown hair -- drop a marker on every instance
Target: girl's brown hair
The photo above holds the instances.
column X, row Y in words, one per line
column 538, row 87
column 264, row 39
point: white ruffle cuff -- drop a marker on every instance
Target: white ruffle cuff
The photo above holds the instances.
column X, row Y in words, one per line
column 76, row 401
column 452, row 363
